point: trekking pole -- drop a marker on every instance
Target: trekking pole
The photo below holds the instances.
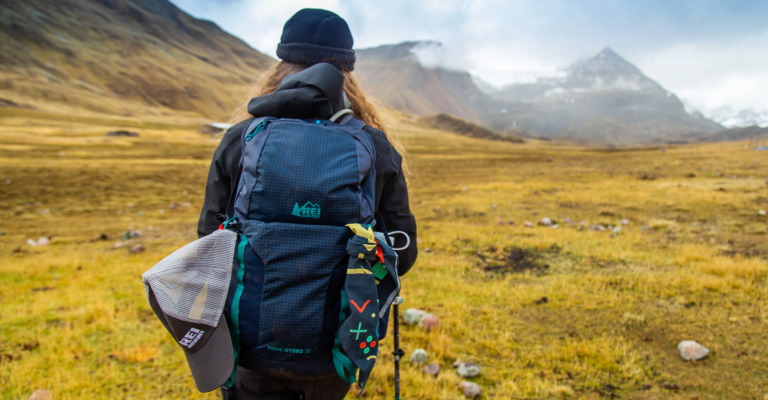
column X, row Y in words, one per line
column 398, row 351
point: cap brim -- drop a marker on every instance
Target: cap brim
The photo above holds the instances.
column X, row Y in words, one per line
column 212, row 365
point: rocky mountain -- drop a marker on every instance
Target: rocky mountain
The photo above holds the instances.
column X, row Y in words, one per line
column 120, row 57
column 393, row 74
column 603, row 99
column 606, row 99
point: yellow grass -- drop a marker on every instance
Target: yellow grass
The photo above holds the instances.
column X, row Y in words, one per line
column 74, row 320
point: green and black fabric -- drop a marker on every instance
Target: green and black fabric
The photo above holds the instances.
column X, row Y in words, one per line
column 371, row 285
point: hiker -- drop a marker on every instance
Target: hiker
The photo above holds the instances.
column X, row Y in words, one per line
column 317, row 57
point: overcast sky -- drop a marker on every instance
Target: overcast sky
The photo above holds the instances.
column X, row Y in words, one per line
column 712, row 54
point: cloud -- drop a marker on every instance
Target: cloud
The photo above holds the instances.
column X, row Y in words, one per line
column 434, row 55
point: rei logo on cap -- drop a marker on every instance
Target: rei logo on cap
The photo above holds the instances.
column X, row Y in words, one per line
column 191, row 338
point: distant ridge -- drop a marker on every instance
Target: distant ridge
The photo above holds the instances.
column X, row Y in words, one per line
column 115, row 55
column 449, row 123
column 737, row 134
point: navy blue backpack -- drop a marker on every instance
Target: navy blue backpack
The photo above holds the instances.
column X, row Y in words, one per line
column 311, row 283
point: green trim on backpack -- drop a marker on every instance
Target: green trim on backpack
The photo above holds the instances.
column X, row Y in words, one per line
column 340, row 360
column 235, row 310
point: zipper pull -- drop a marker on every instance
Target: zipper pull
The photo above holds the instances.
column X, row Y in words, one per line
column 260, row 127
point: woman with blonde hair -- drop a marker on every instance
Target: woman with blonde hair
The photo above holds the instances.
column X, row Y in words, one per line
column 314, row 80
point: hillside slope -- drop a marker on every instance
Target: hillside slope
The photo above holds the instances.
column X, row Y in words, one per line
column 115, row 55
column 394, row 76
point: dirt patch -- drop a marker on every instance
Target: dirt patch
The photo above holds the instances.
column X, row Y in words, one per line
column 745, row 248
column 516, row 260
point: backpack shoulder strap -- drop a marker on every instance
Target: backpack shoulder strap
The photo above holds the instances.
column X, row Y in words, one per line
column 347, row 117
column 244, row 136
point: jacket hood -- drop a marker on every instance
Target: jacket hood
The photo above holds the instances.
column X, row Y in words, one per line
column 316, row 92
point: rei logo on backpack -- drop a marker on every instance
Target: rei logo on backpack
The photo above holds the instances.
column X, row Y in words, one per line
column 293, row 277
column 307, row 210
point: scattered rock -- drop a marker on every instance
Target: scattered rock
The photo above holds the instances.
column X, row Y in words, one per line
column 43, row 241
column 161, row 211
column 510, row 222
column 546, row 222
column 186, row 205
column 42, row 289
column 761, row 212
column 140, row 213
column 419, row 356
column 616, row 230
column 535, row 213
column 528, row 224
column 457, row 363
column 625, row 222
column 464, row 189
column 131, row 205
column 137, row 248
column 469, row 370
column 2, row 233
column 41, row 395
column 413, row 316
column 430, row 322
column 418, row 241
column 549, row 159
column 471, row 390
column 123, row 134
column 543, row 300
column 118, row 245
column 129, row 234
column 597, row 228
column 31, row 242
column 500, row 223
column 691, row 350
column 555, row 226
column 493, row 206
column 45, row 212
column 427, row 250
column 432, row 369
column 103, row 236
column 173, row 206
column 31, row 345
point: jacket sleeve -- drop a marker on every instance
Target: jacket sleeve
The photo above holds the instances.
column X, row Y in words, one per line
column 392, row 197
column 224, row 166
column 395, row 210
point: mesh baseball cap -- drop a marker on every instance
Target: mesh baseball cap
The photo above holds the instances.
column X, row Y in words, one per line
column 187, row 291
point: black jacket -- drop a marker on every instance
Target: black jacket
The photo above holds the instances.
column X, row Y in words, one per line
column 316, row 92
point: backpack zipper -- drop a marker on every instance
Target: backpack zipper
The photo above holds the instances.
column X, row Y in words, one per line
column 260, row 127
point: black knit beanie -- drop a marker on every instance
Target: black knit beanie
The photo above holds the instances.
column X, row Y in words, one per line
column 313, row 36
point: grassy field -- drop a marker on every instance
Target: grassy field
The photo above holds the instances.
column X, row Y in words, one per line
column 548, row 313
